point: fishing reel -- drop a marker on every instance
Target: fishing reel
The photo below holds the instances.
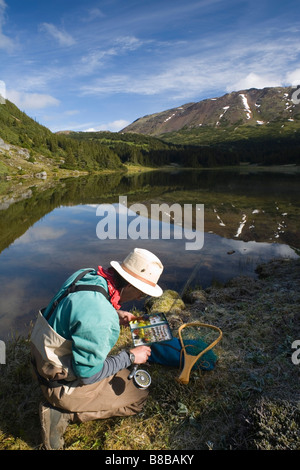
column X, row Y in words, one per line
column 141, row 378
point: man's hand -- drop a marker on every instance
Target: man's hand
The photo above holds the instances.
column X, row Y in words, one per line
column 141, row 354
column 125, row 317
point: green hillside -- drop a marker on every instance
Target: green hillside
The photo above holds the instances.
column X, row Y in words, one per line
column 275, row 143
column 131, row 148
column 135, row 148
column 25, row 141
column 17, row 129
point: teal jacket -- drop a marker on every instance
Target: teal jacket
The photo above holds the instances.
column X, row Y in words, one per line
column 89, row 320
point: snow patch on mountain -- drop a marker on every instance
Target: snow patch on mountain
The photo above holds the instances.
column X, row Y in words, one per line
column 246, row 105
column 170, row 117
column 222, row 114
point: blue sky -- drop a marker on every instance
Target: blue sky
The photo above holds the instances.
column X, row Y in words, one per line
column 101, row 64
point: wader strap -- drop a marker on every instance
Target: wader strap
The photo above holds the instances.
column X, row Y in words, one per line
column 73, row 288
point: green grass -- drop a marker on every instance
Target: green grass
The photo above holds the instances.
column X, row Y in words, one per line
column 248, row 402
column 4, row 170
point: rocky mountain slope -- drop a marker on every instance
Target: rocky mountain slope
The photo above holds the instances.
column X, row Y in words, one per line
column 254, row 107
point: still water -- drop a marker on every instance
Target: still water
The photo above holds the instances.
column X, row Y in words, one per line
column 249, row 218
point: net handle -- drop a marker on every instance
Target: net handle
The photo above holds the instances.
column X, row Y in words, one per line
column 190, row 360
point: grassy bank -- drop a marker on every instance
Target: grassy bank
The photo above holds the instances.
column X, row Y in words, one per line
column 249, row 401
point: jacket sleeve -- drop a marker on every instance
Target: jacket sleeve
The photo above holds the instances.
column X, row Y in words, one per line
column 111, row 366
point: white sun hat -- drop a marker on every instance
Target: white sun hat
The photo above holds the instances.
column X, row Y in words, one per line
column 142, row 269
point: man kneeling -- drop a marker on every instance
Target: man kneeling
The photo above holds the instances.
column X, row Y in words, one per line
column 72, row 339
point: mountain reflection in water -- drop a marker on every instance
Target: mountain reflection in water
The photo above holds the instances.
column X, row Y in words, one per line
column 46, row 238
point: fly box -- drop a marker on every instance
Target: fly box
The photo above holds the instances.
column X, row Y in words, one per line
column 149, row 329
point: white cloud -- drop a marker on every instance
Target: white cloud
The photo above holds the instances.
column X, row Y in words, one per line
column 64, row 38
column 253, row 80
column 199, row 68
column 129, row 43
column 187, row 70
column 93, row 14
column 93, row 60
column 98, row 57
column 114, row 126
column 38, row 233
column 5, row 42
column 293, row 78
column 2, row 92
column 31, row 100
column 182, row 78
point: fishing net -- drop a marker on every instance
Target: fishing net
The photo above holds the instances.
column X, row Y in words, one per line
column 197, row 341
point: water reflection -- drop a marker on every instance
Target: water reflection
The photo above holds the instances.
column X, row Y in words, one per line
column 37, row 263
column 46, row 238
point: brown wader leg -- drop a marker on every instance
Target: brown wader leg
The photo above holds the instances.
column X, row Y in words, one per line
column 114, row 396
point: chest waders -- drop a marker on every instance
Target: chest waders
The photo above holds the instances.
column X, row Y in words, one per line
column 51, row 353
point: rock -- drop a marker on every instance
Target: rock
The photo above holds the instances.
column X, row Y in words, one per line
column 23, row 153
column 197, row 296
column 42, row 175
column 3, row 145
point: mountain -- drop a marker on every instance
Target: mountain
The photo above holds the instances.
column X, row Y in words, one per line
column 258, row 126
column 253, row 107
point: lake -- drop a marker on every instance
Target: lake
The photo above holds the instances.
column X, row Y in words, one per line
column 50, row 230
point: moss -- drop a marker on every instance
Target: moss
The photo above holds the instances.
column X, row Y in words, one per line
column 169, row 302
column 275, row 425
